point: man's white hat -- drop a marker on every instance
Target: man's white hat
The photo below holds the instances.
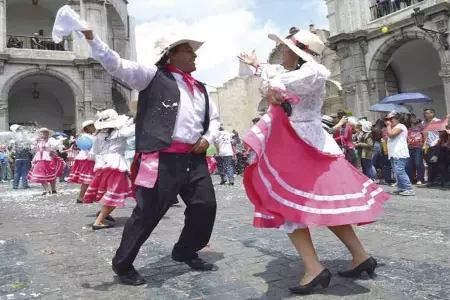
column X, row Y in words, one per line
column 109, row 118
column 170, row 45
column 305, row 44
column 87, row 123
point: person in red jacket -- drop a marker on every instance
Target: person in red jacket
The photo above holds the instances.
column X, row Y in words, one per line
column 343, row 137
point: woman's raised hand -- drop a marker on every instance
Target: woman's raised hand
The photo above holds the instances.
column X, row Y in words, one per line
column 250, row 60
column 274, row 97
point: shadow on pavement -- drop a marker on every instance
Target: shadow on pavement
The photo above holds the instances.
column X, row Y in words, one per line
column 286, row 265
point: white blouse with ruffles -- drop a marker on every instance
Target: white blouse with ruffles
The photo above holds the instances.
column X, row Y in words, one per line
column 109, row 151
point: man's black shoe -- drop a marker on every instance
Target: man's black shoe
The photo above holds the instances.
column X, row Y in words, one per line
column 199, row 264
column 132, row 277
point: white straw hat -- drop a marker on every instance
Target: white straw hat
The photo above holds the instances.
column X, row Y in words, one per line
column 87, row 123
column 169, row 45
column 109, row 118
column 366, row 126
column 305, row 44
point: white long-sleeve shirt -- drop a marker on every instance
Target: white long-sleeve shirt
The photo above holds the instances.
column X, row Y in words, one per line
column 191, row 109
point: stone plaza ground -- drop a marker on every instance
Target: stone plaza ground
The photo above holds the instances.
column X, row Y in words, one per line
column 48, row 251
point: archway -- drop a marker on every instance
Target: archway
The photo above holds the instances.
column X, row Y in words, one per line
column 409, row 61
column 44, row 100
column 120, row 102
column 117, row 32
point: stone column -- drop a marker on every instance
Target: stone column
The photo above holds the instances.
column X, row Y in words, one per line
column 3, row 32
column 354, row 76
column 445, row 75
column 4, row 120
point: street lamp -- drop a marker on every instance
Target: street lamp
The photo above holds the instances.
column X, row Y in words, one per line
column 419, row 18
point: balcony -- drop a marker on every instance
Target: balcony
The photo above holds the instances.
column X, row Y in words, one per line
column 387, row 7
column 38, row 43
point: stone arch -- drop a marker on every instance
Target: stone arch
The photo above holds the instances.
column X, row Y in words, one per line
column 76, row 90
column 117, row 31
column 380, row 59
column 120, row 99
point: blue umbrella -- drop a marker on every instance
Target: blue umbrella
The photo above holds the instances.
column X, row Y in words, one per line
column 56, row 134
column 387, row 107
column 406, row 98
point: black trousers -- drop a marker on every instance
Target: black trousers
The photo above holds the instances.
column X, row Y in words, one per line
column 178, row 174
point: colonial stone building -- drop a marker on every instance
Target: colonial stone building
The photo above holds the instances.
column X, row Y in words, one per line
column 59, row 85
column 239, row 100
column 401, row 59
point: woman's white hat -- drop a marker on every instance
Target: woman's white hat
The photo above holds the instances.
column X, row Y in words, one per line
column 109, row 118
column 87, row 123
column 169, row 45
column 45, row 129
column 305, row 44
column 366, row 126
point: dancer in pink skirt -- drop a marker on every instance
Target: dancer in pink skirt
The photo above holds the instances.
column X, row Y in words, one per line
column 82, row 171
column 300, row 177
column 47, row 165
column 111, row 184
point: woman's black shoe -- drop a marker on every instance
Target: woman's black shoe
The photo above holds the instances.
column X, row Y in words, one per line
column 323, row 279
column 367, row 266
column 108, row 218
column 199, row 264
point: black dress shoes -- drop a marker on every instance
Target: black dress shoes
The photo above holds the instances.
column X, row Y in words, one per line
column 323, row 280
column 131, row 277
column 199, row 264
column 367, row 266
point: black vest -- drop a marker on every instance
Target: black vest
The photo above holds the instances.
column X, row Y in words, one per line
column 157, row 112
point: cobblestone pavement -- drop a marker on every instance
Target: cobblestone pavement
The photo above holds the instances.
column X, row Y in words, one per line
column 48, row 251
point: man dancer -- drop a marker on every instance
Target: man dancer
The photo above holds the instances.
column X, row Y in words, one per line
column 175, row 124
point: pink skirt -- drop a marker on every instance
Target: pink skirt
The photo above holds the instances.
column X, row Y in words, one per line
column 300, row 184
column 42, row 171
column 109, row 187
column 59, row 165
column 82, row 172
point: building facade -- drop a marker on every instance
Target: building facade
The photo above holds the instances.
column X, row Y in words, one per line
column 59, row 85
column 239, row 100
column 400, row 58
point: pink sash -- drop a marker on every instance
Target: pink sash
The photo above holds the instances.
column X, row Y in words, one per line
column 147, row 174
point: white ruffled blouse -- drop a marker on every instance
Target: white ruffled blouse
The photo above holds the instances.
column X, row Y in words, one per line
column 109, row 151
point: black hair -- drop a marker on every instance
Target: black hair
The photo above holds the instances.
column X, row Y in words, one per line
column 108, row 133
column 430, row 109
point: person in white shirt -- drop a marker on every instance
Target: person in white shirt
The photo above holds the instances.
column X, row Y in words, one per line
column 225, row 154
column 398, row 152
column 175, row 124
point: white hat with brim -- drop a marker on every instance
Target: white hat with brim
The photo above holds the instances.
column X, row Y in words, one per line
column 194, row 44
column 366, row 126
column 312, row 44
column 110, row 119
column 45, row 129
column 87, row 123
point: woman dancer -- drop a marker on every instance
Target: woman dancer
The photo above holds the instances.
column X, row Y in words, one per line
column 82, row 171
column 47, row 165
column 332, row 192
column 111, row 184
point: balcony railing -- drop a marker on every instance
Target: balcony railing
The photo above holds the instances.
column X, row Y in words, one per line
column 38, row 43
column 386, row 7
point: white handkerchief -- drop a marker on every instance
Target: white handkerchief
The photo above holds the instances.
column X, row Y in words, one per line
column 67, row 20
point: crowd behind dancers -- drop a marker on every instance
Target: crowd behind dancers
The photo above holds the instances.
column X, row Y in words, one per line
column 396, row 149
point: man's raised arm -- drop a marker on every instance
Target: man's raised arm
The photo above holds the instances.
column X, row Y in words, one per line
column 132, row 73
